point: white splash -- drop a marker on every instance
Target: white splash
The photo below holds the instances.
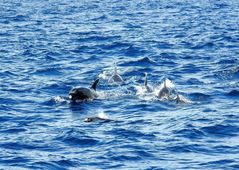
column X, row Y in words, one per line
column 59, row 99
column 104, row 75
column 144, row 94
column 140, row 90
column 102, row 115
column 168, row 83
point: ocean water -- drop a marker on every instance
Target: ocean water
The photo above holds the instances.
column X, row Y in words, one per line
column 49, row 47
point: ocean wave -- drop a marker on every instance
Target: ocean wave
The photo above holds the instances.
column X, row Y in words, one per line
column 75, row 138
column 234, row 93
column 145, row 61
column 221, row 130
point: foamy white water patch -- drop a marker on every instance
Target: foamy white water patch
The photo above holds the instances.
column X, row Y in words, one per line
column 60, row 99
column 105, row 75
column 168, row 83
column 140, row 90
column 143, row 94
column 117, row 92
column 102, row 115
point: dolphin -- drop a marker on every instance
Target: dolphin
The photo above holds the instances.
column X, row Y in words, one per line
column 95, row 118
column 100, row 117
column 115, row 78
column 83, row 93
column 165, row 91
column 181, row 99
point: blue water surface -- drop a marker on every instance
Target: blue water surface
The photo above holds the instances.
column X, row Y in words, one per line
column 49, row 47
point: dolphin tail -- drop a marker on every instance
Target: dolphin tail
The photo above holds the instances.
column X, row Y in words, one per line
column 95, row 84
column 146, row 80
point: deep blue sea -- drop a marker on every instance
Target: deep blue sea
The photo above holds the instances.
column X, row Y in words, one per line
column 47, row 47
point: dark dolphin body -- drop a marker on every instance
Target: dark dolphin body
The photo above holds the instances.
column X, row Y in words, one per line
column 83, row 93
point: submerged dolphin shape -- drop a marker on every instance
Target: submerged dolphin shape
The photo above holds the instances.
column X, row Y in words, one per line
column 83, row 93
column 115, row 78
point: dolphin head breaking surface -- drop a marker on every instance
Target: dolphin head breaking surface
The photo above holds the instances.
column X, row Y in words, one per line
column 83, row 93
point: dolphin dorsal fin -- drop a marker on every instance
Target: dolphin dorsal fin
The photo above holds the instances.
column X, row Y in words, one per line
column 115, row 68
column 164, row 83
column 146, row 79
column 95, row 84
column 178, row 98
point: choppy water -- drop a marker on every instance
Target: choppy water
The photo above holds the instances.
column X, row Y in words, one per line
column 48, row 47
